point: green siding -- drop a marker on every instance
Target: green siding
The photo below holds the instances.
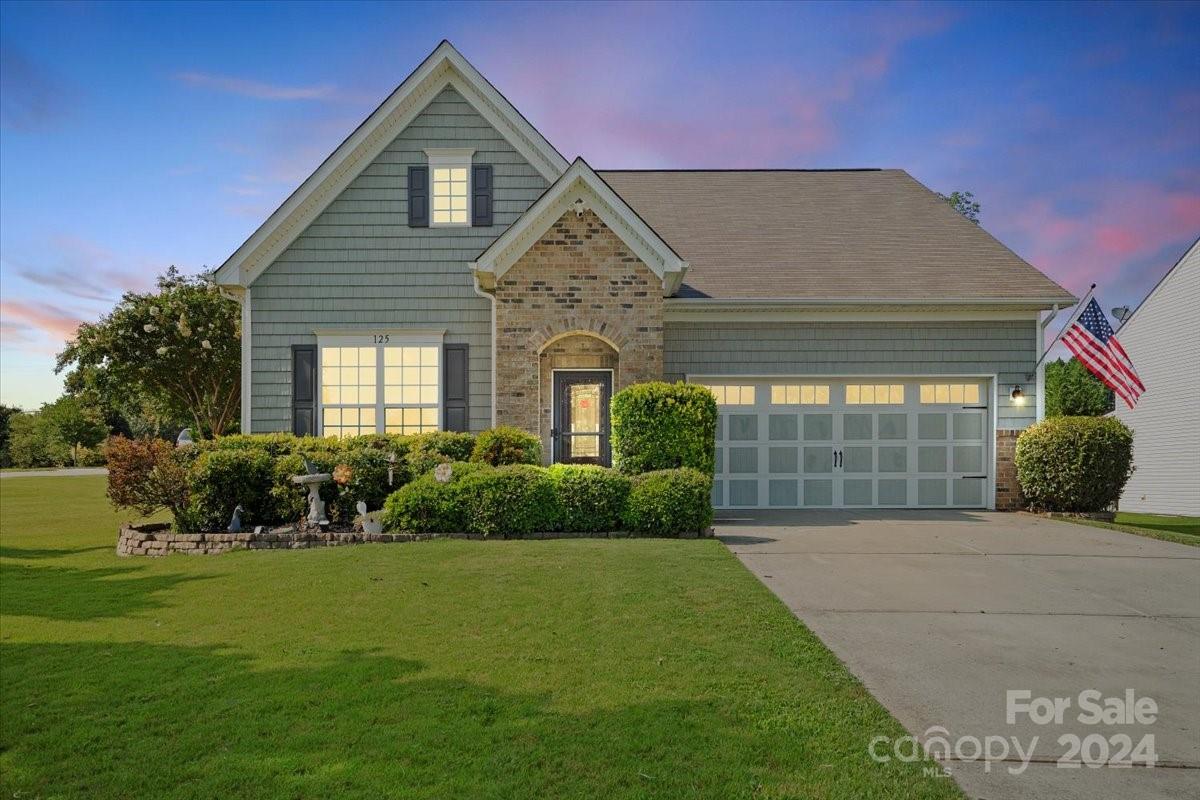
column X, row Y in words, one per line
column 861, row 348
column 359, row 265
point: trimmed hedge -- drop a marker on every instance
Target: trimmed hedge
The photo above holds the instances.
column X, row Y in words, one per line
column 220, row 480
column 659, row 426
column 427, row 450
column 669, row 502
column 429, row 506
column 505, row 444
column 516, row 500
column 1074, row 464
column 590, row 498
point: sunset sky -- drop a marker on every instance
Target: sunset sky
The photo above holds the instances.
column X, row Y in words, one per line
column 139, row 136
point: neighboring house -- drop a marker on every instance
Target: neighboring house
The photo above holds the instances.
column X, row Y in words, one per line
column 1162, row 338
column 447, row 268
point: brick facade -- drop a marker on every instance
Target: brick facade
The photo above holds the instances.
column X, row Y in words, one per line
column 577, row 298
column 1008, row 491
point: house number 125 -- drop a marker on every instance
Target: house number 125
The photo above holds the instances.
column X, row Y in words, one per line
column 382, row 338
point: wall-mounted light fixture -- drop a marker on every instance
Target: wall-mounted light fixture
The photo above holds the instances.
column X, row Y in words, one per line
column 1018, row 396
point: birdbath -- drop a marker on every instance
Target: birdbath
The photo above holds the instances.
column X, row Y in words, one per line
column 316, row 506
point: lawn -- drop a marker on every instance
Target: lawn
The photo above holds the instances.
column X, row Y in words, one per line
column 572, row 668
column 1182, row 530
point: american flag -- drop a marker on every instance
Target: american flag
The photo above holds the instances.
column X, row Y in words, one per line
column 1092, row 341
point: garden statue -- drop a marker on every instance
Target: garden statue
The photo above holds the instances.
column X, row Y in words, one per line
column 391, row 467
column 442, row 472
column 235, row 524
column 185, row 438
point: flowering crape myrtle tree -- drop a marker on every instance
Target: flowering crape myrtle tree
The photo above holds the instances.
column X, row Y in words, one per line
column 179, row 345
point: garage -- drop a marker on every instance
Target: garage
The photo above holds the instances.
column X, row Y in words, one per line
column 853, row 442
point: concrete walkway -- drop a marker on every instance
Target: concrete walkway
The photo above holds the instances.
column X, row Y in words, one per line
column 940, row 613
column 54, row 473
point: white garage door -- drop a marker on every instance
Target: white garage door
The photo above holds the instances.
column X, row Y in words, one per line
column 864, row 442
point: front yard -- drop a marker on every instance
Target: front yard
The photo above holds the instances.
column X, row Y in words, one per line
column 573, row 668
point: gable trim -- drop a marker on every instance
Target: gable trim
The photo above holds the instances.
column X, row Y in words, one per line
column 580, row 185
column 444, row 68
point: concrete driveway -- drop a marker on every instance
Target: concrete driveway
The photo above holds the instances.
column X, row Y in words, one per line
column 940, row 613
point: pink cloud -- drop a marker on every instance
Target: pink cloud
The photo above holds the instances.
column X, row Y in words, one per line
column 25, row 316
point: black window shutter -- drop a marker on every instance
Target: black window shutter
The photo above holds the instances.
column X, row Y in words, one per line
column 481, row 194
column 304, row 389
column 418, row 197
column 456, row 388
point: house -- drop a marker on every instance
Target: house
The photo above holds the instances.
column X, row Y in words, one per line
column 446, row 267
column 1163, row 341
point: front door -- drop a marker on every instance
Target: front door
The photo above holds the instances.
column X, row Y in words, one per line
column 580, row 432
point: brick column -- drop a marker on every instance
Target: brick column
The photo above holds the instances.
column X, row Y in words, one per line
column 1008, row 491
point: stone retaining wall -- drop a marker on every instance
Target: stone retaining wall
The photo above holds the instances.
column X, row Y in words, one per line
column 159, row 539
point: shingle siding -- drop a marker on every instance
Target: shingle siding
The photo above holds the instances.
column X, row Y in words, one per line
column 359, row 265
column 1007, row 348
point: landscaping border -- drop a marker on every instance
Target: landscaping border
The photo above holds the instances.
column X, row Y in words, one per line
column 157, row 539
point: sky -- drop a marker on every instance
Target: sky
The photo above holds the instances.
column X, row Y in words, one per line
column 138, row 136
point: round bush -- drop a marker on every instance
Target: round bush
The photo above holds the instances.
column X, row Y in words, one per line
column 507, row 445
column 590, row 498
column 368, row 483
column 662, row 426
column 1074, row 464
column 220, row 480
column 427, row 450
column 428, row 506
column 669, row 502
column 514, row 500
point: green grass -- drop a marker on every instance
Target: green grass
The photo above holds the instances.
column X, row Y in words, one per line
column 1181, row 530
column 573, row 668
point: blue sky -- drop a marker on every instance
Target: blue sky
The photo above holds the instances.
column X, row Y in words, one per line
column 137, row 136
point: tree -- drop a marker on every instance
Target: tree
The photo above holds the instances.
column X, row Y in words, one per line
column 6, row 415
column 964, row 203
column 179, row 347
column 1072, row 391
column 33, row 441
column 75, row 424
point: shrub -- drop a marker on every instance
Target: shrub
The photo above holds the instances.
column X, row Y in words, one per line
column 33, row 441
column 589, row 498
column 427, row 450
column 507, row 445
column 273, row 444
column 1074, row 464
column 669, row 502
column 1072, row 391
column 662, row 426
column 368, row 482
column 147, row 475
column 429, row 506
column 223, row 479
column 515, row 500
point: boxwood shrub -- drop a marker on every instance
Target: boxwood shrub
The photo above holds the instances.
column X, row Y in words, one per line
column 662, row 426
column 516, row 500
column 1074, row 464
column 669, row 502
column 505, row 444
column 590, row 498
column 220, row 480
column 427, row 450
column 428, row 506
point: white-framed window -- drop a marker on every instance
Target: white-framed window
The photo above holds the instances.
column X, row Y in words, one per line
column 450, row 186
column 384, row 382
column 732, row 395
column 874, row 394
column 956, row 393
column 791, row 394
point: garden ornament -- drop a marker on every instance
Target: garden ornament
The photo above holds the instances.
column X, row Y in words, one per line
column 235, row 524
column 185, row 438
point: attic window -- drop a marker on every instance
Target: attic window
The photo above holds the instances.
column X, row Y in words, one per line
column 450, row 186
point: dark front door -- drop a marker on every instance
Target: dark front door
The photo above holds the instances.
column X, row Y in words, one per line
column 580, row 432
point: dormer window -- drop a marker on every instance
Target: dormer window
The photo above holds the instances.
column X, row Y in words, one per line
column 450, row 186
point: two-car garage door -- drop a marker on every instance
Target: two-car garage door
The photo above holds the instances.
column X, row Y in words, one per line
column 862, row 442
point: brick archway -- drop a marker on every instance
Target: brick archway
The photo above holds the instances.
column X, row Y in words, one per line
column 610, row 334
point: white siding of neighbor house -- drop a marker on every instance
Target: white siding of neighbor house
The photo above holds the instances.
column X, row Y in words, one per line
column 1163, row 340
column 359, row 266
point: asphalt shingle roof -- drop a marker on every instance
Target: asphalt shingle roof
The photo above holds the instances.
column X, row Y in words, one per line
column 825, row 235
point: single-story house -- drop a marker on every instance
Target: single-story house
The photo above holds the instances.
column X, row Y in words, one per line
column 447, row 268
column 1162, row 338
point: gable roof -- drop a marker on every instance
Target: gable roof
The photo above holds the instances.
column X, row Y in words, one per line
column 827, row 236
column 580, row 183
column 444, row 67
column 1191, row 256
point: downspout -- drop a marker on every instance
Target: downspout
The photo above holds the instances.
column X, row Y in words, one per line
column 492, row 299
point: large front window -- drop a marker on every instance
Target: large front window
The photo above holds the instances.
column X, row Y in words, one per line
column 379, row 388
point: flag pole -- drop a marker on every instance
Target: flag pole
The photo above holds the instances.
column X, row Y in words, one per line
column 1078, row 310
